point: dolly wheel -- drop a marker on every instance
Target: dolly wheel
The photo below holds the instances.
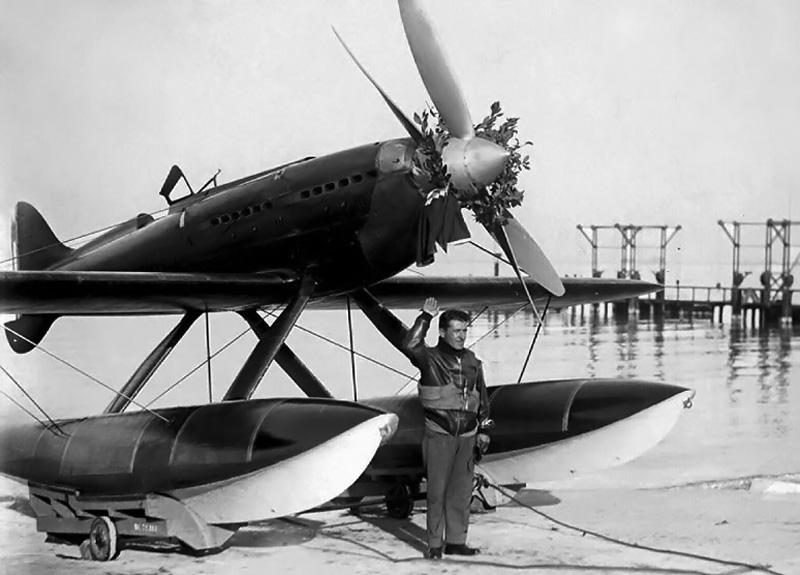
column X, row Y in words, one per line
column 103, row 539
column 400, row 501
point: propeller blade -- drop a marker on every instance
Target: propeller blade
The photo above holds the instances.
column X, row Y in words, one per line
column 412, row 130
column 525, row 254
column 436, row 74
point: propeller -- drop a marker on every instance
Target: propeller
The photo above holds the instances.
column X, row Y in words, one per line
column 472, row 162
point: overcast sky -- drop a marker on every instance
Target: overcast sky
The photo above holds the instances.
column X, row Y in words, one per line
column 670, row 112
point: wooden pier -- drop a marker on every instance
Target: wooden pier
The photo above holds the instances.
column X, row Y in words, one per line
column 773, row 302
column 751, row 306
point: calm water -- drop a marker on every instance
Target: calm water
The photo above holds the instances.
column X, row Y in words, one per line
column 745, row 420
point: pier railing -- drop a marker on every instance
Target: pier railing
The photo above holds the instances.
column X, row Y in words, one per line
column 709, row 294
column 675, row 300
column 697, row 294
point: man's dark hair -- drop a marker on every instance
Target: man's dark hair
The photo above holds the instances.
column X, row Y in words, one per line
column 452, row 315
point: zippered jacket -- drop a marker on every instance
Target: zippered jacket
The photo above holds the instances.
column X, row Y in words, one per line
column 451, row 388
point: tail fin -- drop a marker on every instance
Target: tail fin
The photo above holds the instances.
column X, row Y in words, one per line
column 35, row 245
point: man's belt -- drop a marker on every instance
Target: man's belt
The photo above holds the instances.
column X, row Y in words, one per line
column 453, row 421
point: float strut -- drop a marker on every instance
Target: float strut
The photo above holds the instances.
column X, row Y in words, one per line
column 267, row 348
column 149, row 366
column 287, row 359
column 390, row 326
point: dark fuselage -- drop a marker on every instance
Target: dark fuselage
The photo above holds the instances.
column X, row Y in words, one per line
column 348, row 218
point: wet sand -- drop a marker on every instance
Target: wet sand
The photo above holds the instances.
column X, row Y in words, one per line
column 750, row 521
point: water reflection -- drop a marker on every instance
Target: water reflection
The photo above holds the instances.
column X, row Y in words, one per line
column 761, row 356
column 594, row 343
column 658, row 350
column 732, row 378
column 627, row 338
column 772, row 375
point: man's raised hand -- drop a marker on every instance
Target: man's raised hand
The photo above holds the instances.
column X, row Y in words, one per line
column 431, row 307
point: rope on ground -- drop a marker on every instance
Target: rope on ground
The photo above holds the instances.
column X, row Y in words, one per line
column 610, row 539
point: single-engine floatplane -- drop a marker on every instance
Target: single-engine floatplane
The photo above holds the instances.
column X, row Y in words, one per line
column 305, row 234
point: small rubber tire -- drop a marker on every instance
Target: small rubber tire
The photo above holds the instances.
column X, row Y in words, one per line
column 103, row 539
column 400, row 501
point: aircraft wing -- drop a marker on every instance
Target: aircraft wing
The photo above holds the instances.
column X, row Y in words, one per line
column 143, row 293
column 138, row 293
column 501, row 293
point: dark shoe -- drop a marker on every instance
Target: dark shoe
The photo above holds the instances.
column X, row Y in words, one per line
column 460, row 549
column 433, row 553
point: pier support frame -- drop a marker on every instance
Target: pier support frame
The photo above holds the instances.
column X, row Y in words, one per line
column 629, row 234
column 776, row 282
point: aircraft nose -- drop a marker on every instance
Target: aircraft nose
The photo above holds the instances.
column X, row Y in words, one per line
column 474, row 161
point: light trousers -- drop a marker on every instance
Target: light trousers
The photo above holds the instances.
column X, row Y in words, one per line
column 450, row 464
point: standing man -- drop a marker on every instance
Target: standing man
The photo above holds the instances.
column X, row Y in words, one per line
column 453, row 395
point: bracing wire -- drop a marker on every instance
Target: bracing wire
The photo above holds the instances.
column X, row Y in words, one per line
column 496, row 327
column 87, row 375
column 297, row 326
column 491, row 253
column 539, row 318
column 26, row 410
column 197, row 367
column 202, row 363
column 208, row 357
column 352, row 350
column 358, row 354
column 33, row 401
column 535, row 337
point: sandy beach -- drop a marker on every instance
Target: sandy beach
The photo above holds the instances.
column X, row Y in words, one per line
column 742, row 522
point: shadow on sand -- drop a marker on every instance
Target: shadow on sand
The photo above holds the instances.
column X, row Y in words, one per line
column 19, row 504
column 293, row 531
column 276, row 533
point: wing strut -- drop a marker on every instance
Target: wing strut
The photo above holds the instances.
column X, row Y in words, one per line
column 287, row 359
column 269, row 345
column 148, row 367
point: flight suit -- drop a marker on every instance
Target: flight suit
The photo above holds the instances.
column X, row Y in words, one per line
column 453, row 395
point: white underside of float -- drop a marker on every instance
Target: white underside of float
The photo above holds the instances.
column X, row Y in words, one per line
column 607, row 447
column 302, row 482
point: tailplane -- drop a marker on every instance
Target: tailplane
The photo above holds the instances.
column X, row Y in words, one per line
column 35, row 247
column 25, row 332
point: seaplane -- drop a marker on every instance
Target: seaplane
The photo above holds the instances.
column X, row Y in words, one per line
column 312, row 234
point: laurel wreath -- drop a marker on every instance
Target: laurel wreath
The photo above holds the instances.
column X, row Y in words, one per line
column 490, row 206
